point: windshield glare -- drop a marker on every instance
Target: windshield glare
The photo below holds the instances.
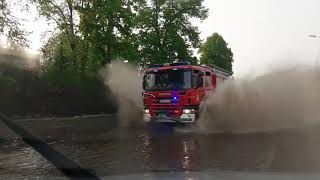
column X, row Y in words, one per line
column 168, row 80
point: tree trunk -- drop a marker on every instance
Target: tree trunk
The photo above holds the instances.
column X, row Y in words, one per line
column 157, row 29
column 71, row 30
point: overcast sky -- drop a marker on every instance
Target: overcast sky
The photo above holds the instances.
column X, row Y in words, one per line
column 261, row 33
column 266, row 33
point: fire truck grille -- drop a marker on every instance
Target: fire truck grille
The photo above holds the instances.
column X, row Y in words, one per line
column 168, row 110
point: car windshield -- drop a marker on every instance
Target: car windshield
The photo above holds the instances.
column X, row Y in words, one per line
column 173, row 79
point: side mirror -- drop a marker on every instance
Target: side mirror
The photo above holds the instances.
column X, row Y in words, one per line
column 144, row 83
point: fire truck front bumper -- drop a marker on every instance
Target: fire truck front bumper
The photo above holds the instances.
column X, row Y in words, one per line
column 184, row 118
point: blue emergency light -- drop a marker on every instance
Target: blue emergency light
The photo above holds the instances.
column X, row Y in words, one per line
column 178, row 63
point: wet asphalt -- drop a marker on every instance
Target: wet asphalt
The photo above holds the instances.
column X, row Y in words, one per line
column 105, row 148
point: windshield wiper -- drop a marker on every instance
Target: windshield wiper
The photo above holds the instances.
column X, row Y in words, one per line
column 66, row 165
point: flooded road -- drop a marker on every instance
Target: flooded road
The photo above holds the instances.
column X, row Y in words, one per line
column 105, row 149
column 20, row 161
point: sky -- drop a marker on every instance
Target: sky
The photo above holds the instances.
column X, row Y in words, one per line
column 263, row 34
column 266, row 34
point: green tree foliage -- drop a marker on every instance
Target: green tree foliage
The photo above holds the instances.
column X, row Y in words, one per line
column 143, row 32
column 165, row 30
column 62, row 14
column 57, row 51
column 70, row 88
column 102, row 32
column 7, row 85
column 107, row 30
column 58, row 90
column 10, row 25
column 215, row 51
column 72, row 92
column 18, row 83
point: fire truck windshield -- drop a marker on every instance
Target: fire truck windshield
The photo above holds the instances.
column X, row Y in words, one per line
column 172, row 79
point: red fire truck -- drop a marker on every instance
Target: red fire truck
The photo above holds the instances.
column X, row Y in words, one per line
column 174, row 92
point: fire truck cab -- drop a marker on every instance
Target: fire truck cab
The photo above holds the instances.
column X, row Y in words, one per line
column 174, row 92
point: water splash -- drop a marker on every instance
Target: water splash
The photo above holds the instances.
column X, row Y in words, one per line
column 282, row 99
column 125, row 82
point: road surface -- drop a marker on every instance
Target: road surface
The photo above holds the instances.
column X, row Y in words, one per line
column 107, row 150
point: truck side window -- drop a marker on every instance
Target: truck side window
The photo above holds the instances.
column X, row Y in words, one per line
column 208, row 80
column 195, row 78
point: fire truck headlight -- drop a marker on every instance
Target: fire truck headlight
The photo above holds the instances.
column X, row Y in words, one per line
column 147, row 111
column 188, row 111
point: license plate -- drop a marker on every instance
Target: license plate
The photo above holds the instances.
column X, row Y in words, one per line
column 164, row 101
column 165, row 94
column 162, row 115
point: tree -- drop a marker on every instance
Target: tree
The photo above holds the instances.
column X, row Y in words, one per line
column 215, row 51
column 10, row 26
column 62, row 14
column 165, row 31
column 107, row 29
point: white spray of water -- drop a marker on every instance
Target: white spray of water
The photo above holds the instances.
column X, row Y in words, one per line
column 281, row 99
column 125, row 83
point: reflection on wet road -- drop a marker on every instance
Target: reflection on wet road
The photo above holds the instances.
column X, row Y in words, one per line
column 20, row 161
column 99, row 145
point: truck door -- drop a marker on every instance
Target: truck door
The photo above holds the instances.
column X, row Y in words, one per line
column 214, row 81
column 199, row 91
column 208, row 85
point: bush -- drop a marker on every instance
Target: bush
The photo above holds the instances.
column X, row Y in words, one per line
column 53, row 92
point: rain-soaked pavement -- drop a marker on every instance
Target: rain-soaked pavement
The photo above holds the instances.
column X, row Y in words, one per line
column 106, row 149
